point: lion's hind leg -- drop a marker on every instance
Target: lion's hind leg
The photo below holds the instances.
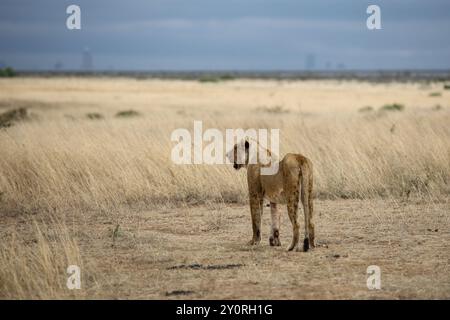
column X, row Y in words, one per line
column 292, row 206
column 274, row 239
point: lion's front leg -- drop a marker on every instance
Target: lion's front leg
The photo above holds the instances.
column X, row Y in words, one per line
column 256, row 207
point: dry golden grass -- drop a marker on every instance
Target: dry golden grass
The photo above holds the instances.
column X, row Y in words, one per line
column 74, row 157
column 33, row 263
column 64, row 159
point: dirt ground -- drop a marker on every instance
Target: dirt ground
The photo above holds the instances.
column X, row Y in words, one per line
column 201, row 253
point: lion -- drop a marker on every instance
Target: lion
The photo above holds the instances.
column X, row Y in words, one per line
column 293, row 179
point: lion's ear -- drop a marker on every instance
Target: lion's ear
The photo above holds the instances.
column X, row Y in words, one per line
column 247, row 145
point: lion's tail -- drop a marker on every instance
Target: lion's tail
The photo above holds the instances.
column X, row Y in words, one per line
column 306, row 186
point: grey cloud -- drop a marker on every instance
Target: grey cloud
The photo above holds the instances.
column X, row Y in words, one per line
column 169, row 34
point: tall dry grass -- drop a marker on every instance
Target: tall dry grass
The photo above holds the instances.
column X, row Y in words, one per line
column 62, row 157
column 33, row 264
column 105, row 164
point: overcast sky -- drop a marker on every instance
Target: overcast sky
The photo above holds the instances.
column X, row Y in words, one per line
column 226, row 34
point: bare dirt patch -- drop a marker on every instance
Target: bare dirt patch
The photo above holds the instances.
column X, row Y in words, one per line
column 169, row 254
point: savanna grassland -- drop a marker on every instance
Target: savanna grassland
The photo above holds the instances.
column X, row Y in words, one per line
column 86, row 178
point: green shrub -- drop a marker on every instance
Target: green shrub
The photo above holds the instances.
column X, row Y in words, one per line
column 218, row 78
column 226, row 77
column 208, row 79
column 7, row 72
column 94, row 116
column 393, row 107
column 9, row 117
column 127, row 113
column 435, row 94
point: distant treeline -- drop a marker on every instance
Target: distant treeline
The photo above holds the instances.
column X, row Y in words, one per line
column 217, row 76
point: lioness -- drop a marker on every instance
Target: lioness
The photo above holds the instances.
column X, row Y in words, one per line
column 293, row 177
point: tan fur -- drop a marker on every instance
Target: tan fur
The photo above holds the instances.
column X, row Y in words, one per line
column 292, row 182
